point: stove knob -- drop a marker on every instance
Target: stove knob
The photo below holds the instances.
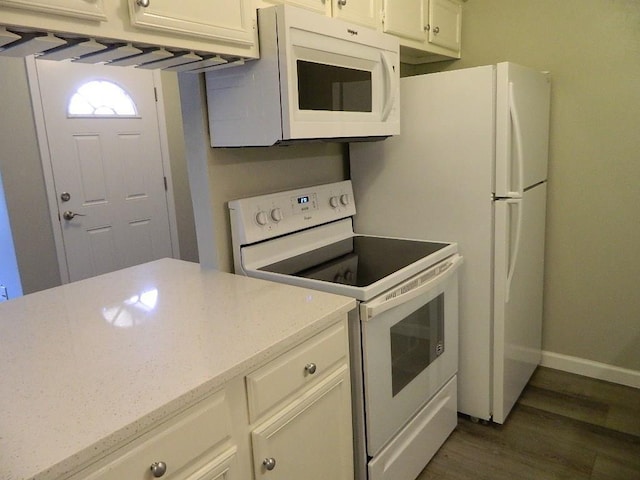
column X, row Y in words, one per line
column 276, row 214
column 344, row 199
column 261, row 218
column 333, row 201
column 348, row 276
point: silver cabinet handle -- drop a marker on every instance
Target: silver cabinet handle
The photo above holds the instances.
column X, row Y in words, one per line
column 269, row 463
column 342, row 3
column 310, row 368
column 158, row 469
column 436, row 29
column 69, row 215
column 142, row 3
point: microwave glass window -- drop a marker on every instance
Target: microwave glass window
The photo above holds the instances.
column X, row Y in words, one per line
column 416, row 341
column 327, row 87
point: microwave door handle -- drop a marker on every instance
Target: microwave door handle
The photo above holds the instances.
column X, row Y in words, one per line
column 391, row 88
column 376, row 307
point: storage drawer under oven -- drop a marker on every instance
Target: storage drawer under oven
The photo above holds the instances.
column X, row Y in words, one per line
column 409, row 452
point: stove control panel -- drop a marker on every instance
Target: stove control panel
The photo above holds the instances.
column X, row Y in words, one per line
column 266, row 216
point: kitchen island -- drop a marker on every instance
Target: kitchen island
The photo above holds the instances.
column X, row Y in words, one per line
column 90, row 366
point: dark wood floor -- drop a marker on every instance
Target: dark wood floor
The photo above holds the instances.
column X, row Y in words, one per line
column 563, row 427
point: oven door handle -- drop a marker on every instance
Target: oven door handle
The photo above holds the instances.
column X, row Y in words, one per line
column 386, row 302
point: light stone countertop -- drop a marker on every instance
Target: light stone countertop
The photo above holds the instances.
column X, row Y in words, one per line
column 85, row 366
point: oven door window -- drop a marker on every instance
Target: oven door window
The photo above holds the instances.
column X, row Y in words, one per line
column 333, row 88
column 416, row 341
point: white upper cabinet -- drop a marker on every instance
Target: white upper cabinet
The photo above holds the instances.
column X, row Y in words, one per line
column 205, row 33
column 227, row 20
column 444, row 22
column 361, row 12
column 429, row 30
column 86, row 9
column 404, row 19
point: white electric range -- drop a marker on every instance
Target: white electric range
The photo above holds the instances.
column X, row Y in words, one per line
column 404, row 334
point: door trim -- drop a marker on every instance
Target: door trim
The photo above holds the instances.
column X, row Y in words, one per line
column 47, row 168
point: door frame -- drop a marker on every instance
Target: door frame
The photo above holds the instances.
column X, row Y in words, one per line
column 47, row 167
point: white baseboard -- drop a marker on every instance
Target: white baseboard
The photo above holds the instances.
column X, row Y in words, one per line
column 589, row 368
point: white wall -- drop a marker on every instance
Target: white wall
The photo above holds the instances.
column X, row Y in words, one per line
column 24, row 182
column 218, row 175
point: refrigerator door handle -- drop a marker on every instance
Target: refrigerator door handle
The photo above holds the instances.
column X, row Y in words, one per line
column 513, row 258
column 518, row 162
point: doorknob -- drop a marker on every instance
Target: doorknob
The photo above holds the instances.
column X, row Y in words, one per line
column 68, row 215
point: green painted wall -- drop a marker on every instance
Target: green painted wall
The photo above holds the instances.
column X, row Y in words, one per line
column 592, row 49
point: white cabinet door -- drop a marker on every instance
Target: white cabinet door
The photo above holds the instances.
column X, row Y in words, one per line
column 362, row 12
column 404, row 18
column 221, row 20
column 429, row 30
column 196, row 444
column 320, row 6
column 311, row 438
column 87, row 9
column 444, row 24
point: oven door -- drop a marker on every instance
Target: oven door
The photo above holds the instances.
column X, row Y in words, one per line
column 410, row 348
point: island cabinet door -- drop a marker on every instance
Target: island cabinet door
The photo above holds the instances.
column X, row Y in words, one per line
column 311, row 437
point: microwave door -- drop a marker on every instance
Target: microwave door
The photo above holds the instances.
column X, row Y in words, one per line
column 332, row 94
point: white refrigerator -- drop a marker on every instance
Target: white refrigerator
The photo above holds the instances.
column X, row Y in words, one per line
column 470, row 166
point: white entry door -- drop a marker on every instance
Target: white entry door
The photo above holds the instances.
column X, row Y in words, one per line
column 104, row 145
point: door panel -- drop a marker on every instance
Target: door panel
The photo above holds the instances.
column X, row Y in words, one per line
column 111, row 166
column 522, row 128
column 404, row 18
column 518, row 303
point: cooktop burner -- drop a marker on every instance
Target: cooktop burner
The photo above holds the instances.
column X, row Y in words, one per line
column 358, row 261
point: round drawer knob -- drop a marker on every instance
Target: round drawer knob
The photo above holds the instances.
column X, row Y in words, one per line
column 158, row 469
column 310, row 368
column 142, row 3
column 269, row 463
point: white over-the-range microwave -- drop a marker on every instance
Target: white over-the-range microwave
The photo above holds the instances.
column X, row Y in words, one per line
column 318, row 78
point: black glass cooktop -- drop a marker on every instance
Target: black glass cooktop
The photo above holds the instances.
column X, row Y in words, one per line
column 358, row 261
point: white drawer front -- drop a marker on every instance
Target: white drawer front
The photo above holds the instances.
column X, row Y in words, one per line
column 178, row 443
column 293, row 370
column 414, row 446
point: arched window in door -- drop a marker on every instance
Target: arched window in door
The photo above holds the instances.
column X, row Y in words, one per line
column 101, row 98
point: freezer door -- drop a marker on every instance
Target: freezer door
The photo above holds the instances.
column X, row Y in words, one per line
column 519, row 259
column 522, row 128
